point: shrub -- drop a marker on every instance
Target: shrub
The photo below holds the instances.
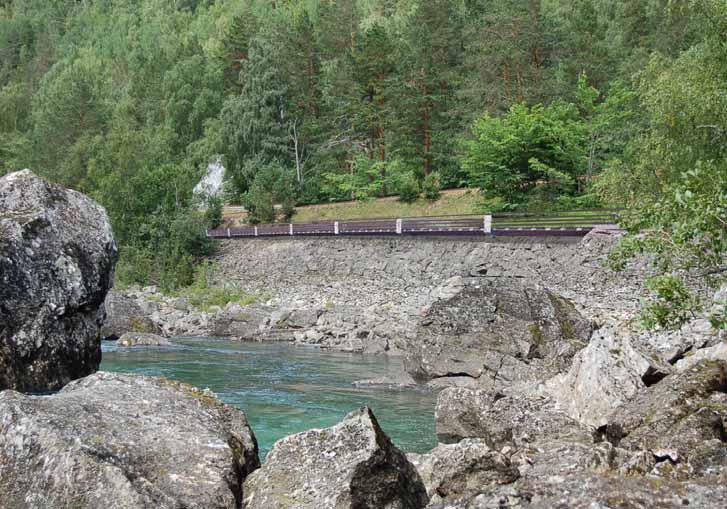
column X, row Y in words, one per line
column 431, row 186
column 408, row 188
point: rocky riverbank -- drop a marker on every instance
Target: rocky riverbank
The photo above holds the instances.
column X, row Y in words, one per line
column 552, row 396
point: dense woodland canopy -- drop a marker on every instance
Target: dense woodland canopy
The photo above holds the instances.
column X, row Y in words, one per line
column 540, row 103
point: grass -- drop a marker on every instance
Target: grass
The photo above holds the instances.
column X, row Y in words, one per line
column 204, row 293
column 452, row 202
column 204, row 298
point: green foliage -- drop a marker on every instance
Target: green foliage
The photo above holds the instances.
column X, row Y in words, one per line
column 272, row 185
column 673, row 305
column 431, row 186
column 408, row 188
column 362, row 182
column 532, row 153
column 673, row 177
column 213, row 211
column 205, row 292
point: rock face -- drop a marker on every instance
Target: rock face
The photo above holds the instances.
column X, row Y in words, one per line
column 681, row 421
column 604, row 375
column 57, row 255
column 124, row 315
column 140, row 339
column 350, row 465
column 123, row 441
column 453, row 471
column 666, row 447
column 498, row 419
column 500, row 331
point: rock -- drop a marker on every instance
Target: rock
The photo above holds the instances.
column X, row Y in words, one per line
column 181, row 304
column 717, row 352
column 122, row 441
column 452, row 471
column 123, row 315
column 57, row 255
column 681, row 421
column 603, row 376
column 499, row 419
column 245, row 323
column 211, row 184
column 497, row 329
column 350, row 465
column 140, row 339
column 399, row 381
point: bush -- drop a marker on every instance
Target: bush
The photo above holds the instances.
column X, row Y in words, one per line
column 529, row 151
column 272, row 185
column 203, row 293
column 431, row 186
column 213, row 211
column 408, row 188
column 673, row 304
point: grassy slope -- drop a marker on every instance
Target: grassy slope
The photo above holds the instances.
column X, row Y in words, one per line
column 452, row 202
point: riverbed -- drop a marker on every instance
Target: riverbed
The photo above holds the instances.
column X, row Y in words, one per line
column 285, row 389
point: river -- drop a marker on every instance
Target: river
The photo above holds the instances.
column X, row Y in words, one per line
column 285, row 389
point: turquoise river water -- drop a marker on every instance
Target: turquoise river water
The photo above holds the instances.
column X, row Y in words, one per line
column 286, row 389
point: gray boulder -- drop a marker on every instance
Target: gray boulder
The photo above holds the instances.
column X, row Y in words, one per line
column 243, row 323
column 500, row 331
column 606, row 374
column 717, row 352
column 140, row 339
column 124, row 314
column 122, row 441
column 453, row 471
column 681, row 421
column 500, row 420
column 57, row 255
column 350, row 465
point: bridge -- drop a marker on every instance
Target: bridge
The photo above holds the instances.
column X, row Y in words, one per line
column 563, row 224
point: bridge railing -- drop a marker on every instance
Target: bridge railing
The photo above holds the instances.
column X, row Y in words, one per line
column 512, row 224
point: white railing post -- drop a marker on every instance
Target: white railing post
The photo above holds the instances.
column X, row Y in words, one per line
column 488, row 224
column 228, row 233
column 335, row 228
column 398, row 226
column 256, row 231
column 291, row 228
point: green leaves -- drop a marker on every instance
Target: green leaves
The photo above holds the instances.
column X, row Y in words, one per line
column 672, row 306
column 531, row 152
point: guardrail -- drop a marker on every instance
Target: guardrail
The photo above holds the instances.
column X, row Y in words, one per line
column 567, row 224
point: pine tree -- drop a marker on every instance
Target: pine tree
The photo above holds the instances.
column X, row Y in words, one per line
column 254, row 121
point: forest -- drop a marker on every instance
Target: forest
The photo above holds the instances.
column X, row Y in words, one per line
column 539, row 104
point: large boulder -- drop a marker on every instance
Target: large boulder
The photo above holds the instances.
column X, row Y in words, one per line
column 452, row 471
column 500, row 420
column 124, row 314
column 500, row 331
column 681, row 421
column 606, row 374
column 123, row 441
column 57, row 255
column 350, row 465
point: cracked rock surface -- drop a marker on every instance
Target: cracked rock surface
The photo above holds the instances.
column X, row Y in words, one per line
column 350, row 465
column 57, row 255
column 122, row 441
